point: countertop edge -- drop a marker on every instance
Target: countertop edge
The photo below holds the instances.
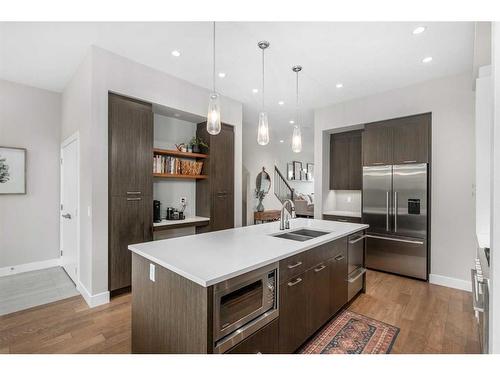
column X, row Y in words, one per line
column 207, row 283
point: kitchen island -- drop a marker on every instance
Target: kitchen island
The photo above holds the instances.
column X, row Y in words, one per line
column 250, row 289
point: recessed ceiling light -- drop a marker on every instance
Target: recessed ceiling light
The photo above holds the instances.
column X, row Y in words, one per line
column 222, row 75
column 255, row 91
column 281, row 102
column 176, row 53
column 291, row 122
column 419, row 30
column 427, row 59
column 281, row 141
column 339, row 85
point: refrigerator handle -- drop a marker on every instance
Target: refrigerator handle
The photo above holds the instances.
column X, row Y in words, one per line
column 395, row 211
column 387, row 211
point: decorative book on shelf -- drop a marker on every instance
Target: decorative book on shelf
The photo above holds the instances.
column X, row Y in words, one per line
column 171, row 163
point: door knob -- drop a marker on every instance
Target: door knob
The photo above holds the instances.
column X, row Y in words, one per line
column 66, row 216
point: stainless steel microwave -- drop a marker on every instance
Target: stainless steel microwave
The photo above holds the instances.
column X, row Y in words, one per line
column 244, row 304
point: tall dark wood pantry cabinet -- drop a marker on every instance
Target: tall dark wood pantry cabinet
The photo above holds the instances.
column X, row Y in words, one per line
column 130, row 184
column 215, row 195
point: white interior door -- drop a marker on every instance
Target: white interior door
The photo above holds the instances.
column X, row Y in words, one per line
column 69, row 208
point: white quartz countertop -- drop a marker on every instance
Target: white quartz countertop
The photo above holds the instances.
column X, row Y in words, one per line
column 187, row 220
column 343, row 213
column 213, row 257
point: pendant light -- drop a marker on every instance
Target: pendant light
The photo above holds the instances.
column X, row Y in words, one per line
column 213, row 115
column 297, row 135
column 263, row 127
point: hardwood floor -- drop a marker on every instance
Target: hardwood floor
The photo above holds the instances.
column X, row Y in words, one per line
column 432, row 319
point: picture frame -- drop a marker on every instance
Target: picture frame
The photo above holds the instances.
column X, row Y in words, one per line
column 289, row 171
column 12, row 170
column 310, row 171
column 297, row 169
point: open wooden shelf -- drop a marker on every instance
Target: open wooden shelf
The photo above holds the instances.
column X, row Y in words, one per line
column 192, row 155
column 181, row 176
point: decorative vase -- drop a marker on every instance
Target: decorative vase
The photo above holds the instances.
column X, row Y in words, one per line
column 260, row 206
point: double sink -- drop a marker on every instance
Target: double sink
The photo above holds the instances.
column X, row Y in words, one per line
column 301, row 234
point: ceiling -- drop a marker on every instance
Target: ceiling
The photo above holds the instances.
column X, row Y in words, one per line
column 366, row 57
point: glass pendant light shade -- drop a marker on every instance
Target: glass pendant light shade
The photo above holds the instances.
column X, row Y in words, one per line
column 296, row 139
column 263, row 129
column 213, row 115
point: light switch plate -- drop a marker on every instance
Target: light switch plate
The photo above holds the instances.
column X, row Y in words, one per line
column 152, row 272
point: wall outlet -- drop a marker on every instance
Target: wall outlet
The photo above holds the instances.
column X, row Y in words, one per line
column 349, row 199
column 183, row 200
column 152, row 272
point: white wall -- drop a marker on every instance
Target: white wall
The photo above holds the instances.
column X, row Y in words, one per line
column 451, row 102
column 168, row 132
column 495, row 197
column 109, row 72
column 256, row 156
column 29, row 224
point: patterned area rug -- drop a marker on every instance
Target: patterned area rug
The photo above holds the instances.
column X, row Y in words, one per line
column 351, row 333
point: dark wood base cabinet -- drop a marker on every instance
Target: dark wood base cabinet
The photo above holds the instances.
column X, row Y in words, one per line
column 175, row 315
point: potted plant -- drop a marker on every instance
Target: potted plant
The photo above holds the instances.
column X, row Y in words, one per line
column 198, row 145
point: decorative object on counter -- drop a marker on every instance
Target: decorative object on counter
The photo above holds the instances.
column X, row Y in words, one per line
column 262, row 186
column 213, row 115
column 266, row 216
column 263, row 127
column 156, row 211
column 12, row 170
column 297, row 134
column 351, row 333
column 310, row 171
column 174, row 214
column 198, row 145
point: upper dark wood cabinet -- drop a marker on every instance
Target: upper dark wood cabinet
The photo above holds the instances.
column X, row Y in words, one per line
column 130, row 146
column 397, row 141
column 130, row 129
column 345, row 161
column 215, row 195
column 411, row 139
column 377, row 144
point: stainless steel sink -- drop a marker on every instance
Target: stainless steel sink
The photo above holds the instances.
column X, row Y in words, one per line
column 301, row 235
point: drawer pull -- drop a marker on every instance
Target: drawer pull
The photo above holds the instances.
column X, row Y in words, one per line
column 290, row 266
column 320, row 268
column 133, row 192
column 134, row 199
column 297, row 281
column 339, row 258
column 357, row 274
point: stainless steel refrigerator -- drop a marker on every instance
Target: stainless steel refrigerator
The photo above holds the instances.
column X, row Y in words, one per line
column 395, row 201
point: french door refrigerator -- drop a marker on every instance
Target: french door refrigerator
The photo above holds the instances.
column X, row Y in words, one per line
column 395, row 206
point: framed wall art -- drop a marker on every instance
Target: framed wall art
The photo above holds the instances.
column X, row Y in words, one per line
column 12, row 170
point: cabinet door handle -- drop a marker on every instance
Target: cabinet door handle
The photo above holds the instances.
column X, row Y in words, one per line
column 298, row 280
column 320, row 268
column 409, row 161
column 134, row 199
column 290, row 266
column 339, row 258
column 133, row 192
column 352, row 242
column 378, row 163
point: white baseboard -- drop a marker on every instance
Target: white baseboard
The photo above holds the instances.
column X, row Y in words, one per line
column 20, row 268
column 93, row 300
column 451, row 282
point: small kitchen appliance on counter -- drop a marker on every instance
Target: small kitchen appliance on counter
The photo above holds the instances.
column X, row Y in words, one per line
column 156, row 211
